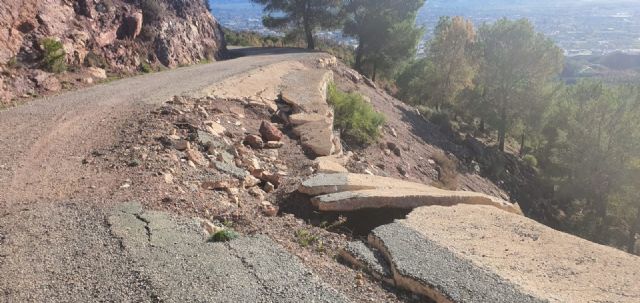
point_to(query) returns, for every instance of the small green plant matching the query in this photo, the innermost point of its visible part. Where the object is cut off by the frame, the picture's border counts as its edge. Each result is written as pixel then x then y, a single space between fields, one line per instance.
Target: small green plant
pixel 530 160
pixel 305 237
pixel 354 116
pixel 145 67
pixel 13 63
pixel 53 55
pixel 224 235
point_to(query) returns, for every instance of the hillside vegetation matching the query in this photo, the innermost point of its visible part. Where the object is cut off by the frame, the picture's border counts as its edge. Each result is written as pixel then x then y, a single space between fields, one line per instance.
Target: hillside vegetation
pixel 582 140
pixel 568 153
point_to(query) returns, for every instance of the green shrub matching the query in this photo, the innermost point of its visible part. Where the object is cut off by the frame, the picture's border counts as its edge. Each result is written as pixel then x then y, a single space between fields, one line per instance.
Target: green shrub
pixel 224 235
pixel 53 55
pixel 305 237
pixel 530 160
pixel 355 117
pixel 152 11
pixel 145 67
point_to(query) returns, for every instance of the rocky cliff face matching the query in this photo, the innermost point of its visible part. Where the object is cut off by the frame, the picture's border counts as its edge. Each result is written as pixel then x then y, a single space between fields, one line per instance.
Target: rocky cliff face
pixel 119 36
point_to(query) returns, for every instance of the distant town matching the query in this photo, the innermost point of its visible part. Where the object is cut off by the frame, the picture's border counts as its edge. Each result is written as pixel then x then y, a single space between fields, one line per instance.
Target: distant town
pixel 580 27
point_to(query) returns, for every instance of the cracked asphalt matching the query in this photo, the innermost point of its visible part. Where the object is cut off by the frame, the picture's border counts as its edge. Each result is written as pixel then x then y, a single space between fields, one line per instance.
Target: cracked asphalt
pixel 425 263
pixel 63 239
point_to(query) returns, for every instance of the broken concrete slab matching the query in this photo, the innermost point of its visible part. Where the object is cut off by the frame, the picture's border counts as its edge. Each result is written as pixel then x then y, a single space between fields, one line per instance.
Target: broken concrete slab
pixel 424 267
pixel 371 260
pixel 303 118
pixel 306 90
pixel 549 264
pixel 316 136
pixel 350 192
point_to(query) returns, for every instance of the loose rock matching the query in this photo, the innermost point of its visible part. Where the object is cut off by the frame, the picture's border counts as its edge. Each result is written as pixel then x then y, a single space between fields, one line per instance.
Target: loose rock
pixel 268 187
pixel 274 144
pixel 269 132
pixel 254 141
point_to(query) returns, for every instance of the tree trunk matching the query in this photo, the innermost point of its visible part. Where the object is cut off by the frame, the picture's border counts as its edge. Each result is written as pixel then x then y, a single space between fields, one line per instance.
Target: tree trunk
pixel 502 130
pixel 374 73
pixel 522 144
pixel 308 31
pixel 603 225
pixel 311 43
pixel 635 229
pixel 359 55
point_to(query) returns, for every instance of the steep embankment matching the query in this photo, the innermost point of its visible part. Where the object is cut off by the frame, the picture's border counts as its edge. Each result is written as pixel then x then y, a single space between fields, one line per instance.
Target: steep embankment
pixel 115 35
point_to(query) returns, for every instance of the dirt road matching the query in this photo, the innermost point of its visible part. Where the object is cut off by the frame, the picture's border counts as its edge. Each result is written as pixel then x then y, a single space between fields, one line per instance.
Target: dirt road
pixel 61 239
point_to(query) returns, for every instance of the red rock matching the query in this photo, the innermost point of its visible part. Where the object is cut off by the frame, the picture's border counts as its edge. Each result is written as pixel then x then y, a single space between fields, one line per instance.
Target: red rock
pixel 269 132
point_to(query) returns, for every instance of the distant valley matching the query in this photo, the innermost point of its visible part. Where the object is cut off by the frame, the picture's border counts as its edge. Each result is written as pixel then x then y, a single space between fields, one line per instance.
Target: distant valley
pixel 580 27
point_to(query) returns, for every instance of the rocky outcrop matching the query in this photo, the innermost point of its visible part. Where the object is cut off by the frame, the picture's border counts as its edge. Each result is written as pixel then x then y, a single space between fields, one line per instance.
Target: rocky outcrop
pixel 115 35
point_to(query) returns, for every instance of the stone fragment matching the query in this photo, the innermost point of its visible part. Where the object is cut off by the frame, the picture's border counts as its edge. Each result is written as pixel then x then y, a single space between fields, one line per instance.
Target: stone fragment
pixel 230 169
pixel 274 144
pixel 328 165
pixel 254 141
pixel 257 192
pixel 394 148
pixel 269 209
pixel 196 157
pixel 269 187
pixel 97 73
pixel 269 132
pixel 168 178
pixel 215 128
pixel 250 181
pixel 271 177
pixel 181 145
pixel 220 184
pixel 209 227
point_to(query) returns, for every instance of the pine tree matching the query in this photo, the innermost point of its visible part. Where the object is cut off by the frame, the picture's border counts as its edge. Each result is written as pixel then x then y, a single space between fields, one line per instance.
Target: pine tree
pixel 386 31
pixel 515 72
pixel 301 16
pixel 451 54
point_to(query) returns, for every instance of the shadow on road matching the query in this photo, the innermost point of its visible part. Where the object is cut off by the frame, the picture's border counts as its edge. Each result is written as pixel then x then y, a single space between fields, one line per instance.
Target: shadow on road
pixel 236 52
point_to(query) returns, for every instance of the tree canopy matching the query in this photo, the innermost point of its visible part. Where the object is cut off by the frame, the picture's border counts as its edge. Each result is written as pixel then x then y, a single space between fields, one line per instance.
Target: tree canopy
pixel 302 16
pixel 386 31
pixel 448 68
pixel 516 68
